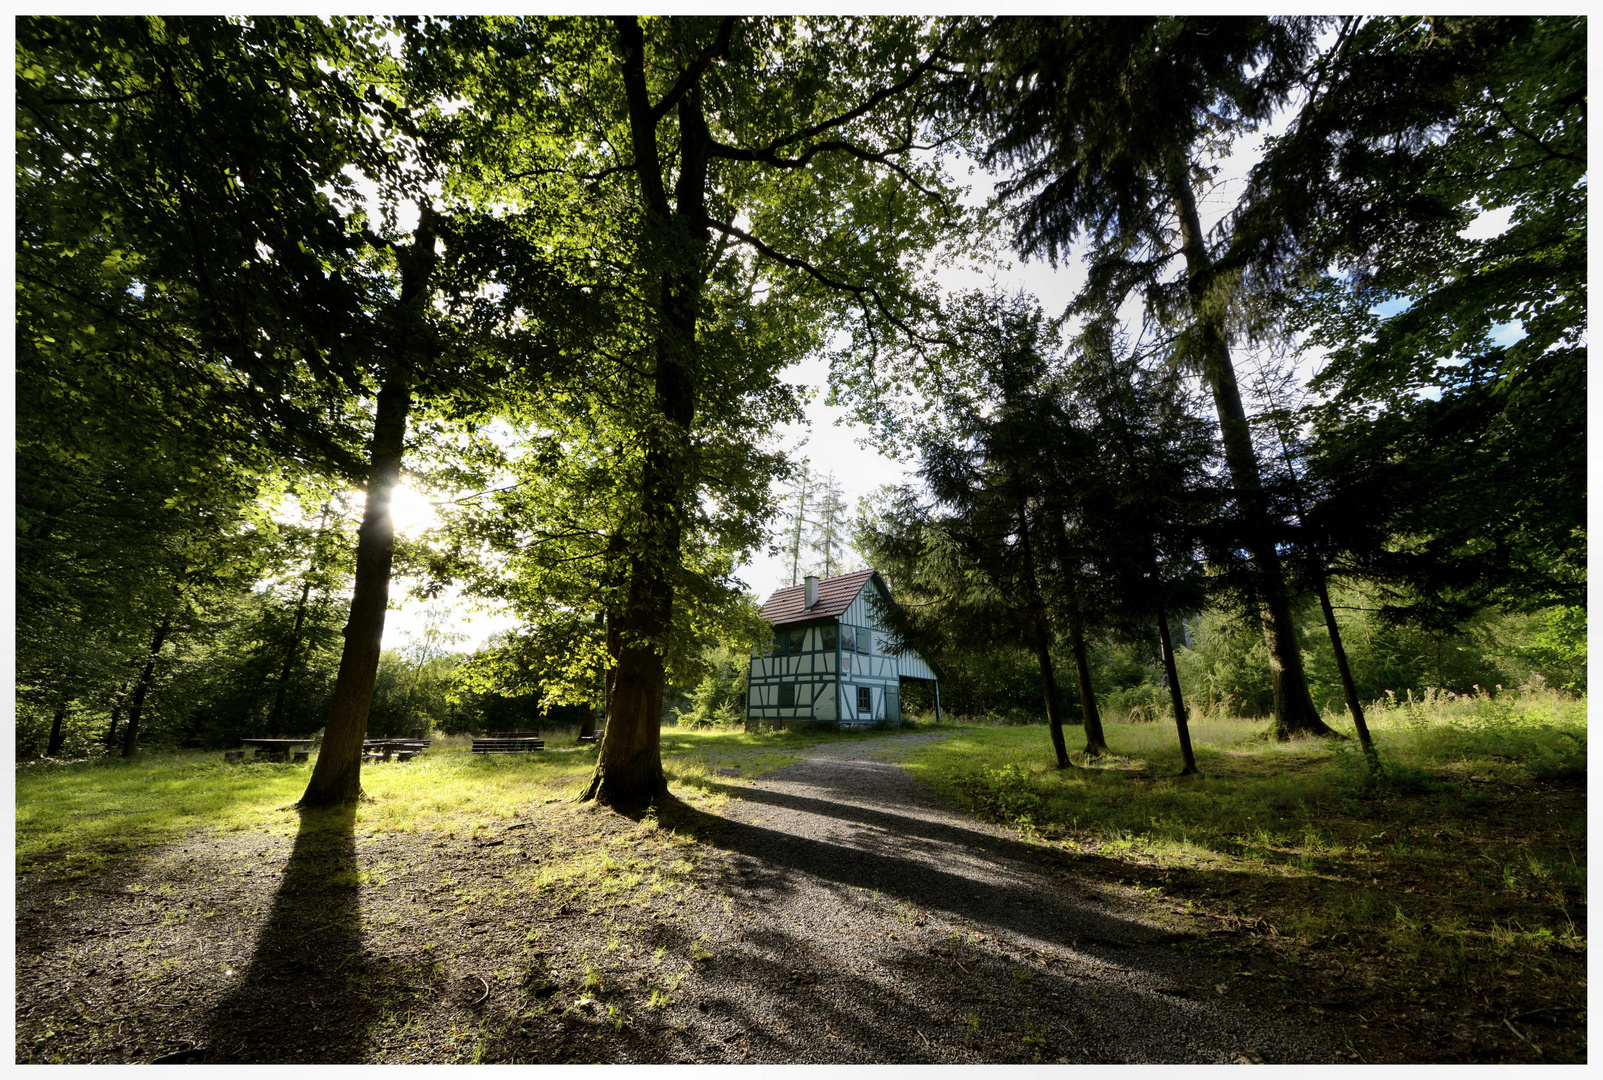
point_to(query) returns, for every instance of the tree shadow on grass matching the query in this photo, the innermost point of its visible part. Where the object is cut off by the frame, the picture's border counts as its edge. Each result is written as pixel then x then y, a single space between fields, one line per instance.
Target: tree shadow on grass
pixel 308 993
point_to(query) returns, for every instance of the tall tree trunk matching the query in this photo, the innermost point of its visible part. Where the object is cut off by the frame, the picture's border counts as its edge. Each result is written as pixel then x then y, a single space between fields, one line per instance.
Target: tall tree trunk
pixel 58 737
pixel 1096 742
pixel 1049 687
pixel 1175 697
pixel 337 776
pixel 629 765
pixel 1294 706
pixel 136 706
pixel 1040 625
pixel 1349 688
pixel 116 716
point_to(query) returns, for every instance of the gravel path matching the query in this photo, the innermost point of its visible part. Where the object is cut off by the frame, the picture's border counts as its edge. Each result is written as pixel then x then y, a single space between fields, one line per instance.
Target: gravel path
pixel 869 922
pixel 831 911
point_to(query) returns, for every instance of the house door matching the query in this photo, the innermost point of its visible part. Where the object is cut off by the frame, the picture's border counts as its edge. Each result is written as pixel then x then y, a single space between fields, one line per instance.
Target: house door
pixel 893 705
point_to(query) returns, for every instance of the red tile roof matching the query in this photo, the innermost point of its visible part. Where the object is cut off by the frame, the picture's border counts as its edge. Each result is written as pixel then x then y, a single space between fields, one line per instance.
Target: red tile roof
pixel 835 595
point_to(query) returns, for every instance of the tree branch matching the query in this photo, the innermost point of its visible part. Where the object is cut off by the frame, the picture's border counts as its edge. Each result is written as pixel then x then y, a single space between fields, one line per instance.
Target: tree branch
pixel 718 50
pixel 869 103
pixel 1579 159
pixel 767 156
pixel 863 293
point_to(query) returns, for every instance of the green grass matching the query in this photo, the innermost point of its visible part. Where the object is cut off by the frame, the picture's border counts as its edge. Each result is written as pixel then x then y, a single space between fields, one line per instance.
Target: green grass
pixel 1253 791
pixel 1462 860
pixel 77 816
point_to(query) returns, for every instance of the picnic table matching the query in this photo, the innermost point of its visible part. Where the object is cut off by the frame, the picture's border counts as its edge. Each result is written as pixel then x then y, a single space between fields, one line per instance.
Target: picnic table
pixel 276 749
pixel 403 749
pixel 508 742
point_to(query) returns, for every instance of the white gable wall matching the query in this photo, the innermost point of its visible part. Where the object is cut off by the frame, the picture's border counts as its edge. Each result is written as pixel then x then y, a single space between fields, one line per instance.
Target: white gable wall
pixel 828 681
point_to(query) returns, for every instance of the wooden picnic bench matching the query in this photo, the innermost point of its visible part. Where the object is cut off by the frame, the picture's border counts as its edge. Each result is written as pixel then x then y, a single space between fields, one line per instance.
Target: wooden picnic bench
pixel 508 742
pixel 402 749
pixel 274 749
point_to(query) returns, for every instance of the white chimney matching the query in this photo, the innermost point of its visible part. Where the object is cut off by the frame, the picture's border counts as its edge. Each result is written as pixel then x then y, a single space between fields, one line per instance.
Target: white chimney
pixel 812 591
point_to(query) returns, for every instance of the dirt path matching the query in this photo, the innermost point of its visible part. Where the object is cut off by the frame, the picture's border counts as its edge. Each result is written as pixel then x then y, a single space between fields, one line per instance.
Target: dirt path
pixel 832 911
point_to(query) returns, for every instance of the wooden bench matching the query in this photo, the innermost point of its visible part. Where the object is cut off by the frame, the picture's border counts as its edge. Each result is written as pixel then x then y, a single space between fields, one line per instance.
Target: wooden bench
pixel 403 749
pixel 508 742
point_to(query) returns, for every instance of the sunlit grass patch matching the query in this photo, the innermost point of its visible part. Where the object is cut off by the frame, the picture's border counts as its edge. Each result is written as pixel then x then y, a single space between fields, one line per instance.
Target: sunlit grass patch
pixel 1453 860
pixel 450 790
pixel 78 816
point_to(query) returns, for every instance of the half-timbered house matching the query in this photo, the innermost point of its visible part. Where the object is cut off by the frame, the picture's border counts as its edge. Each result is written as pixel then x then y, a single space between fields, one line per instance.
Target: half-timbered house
pixel 830 664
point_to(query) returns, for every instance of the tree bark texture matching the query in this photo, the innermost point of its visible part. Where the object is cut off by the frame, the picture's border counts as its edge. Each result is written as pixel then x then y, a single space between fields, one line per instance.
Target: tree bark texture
pixel 130 735
pixel 1294 707
pixel 337 776
pixel 1040 624
pixel 629 764
pixel 1175 697
pixel 1096 742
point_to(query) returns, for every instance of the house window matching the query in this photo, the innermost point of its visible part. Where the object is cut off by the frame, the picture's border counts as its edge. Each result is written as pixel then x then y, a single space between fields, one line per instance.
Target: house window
pixel 781 643
pixel 865 699
pixel 829 638
pixel 847 641
pixel 863 638
pixel 787 695
pixel 796 637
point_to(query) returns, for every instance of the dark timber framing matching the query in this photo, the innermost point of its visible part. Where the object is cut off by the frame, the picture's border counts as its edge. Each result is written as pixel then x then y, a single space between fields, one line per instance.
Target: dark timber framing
pixel 818 665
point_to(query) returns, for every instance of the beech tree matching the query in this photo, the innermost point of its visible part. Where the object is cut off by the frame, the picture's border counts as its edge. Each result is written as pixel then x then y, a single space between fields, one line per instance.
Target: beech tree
pixel 732 160
pixel 223 160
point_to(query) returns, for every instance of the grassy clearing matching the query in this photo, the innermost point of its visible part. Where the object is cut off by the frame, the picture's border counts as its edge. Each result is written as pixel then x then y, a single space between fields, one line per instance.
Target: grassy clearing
pixel 1461 866
pixel 77 816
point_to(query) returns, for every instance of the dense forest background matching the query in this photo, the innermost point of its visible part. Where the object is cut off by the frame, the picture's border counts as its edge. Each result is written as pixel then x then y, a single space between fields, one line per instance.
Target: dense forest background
pixel 552 272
